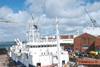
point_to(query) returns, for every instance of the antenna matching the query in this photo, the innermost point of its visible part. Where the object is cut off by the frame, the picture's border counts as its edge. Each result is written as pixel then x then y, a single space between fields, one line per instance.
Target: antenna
pixel 33 21
pixel 44 5
pixel 93 21
pixel 32 17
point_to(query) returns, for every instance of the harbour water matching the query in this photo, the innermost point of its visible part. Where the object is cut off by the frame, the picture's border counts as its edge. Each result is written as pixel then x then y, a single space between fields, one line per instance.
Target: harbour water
pixel 6 44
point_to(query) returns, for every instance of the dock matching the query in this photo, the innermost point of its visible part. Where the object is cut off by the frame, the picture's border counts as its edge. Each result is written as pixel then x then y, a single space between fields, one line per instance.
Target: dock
pixel 5 60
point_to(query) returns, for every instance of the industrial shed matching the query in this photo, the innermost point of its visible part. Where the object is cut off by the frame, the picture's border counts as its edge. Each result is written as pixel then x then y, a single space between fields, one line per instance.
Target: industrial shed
pixel 83 42
pixel 97 42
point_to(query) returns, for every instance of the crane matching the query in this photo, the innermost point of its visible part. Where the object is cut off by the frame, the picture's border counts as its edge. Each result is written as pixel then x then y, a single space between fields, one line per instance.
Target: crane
pixel 93 21
pixel 5 20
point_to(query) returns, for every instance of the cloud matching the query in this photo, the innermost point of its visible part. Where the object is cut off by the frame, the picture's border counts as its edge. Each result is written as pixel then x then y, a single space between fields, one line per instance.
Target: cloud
pixel 70 14
pixel 16 27
pixel 5 11
pixel 53 8
pixel 69 11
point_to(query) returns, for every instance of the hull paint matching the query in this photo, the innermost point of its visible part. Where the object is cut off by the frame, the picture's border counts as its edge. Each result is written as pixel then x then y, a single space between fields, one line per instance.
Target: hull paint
pixel 31 65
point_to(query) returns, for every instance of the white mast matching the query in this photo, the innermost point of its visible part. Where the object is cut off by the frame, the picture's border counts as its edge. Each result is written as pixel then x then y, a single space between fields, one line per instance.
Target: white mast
pixel 33 33
pixel 58 43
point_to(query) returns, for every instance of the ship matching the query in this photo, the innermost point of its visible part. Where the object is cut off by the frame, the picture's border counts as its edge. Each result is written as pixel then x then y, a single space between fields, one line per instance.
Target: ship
pixel 39 51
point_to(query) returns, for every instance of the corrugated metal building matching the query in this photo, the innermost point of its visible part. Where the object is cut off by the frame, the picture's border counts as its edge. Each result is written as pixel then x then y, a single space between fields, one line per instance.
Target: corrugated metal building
pixel 82 42
pixel 97 42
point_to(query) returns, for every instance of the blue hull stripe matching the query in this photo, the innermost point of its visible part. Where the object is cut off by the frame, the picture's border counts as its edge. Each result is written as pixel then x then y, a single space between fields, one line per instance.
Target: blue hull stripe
pixel 20 63
pixel 31 65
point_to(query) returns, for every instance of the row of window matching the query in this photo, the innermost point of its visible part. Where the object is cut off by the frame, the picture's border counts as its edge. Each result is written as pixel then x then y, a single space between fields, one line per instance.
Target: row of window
pixel 37 46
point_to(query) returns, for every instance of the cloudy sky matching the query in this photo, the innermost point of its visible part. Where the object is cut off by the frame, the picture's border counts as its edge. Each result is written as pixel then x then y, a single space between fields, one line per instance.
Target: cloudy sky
pixel 70 13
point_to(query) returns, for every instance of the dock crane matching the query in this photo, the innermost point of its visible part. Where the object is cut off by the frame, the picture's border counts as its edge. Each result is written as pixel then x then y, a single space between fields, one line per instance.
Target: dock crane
pixel 6 20
pixel 92 49
pixel 93 21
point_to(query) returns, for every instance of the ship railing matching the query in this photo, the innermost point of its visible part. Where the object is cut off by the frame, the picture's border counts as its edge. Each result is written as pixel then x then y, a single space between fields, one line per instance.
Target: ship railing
pixel 47 39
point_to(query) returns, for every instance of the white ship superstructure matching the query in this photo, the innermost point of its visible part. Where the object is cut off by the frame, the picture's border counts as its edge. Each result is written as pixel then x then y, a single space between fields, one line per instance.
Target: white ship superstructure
pixel 39 51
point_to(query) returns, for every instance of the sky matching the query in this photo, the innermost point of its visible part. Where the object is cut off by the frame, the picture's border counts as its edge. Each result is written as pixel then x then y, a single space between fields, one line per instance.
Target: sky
pixel 70 14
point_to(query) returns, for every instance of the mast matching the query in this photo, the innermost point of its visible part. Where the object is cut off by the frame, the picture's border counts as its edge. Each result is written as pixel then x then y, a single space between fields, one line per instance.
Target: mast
pixel 33 34
pixel 30 33
pixel 58 43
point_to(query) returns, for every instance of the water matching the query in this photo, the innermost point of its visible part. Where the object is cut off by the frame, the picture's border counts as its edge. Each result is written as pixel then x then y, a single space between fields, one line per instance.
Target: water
pixel 6 44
